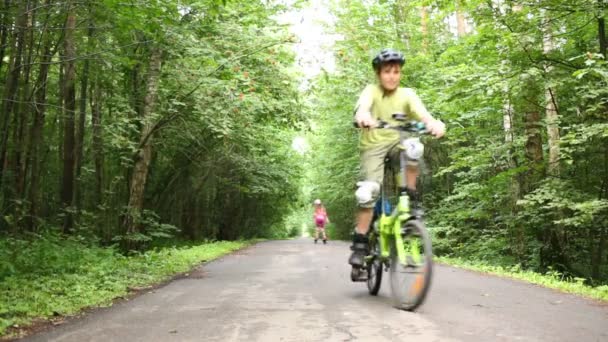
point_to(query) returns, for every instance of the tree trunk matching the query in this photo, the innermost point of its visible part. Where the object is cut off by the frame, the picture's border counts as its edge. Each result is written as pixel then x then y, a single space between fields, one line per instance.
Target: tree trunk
pixel 4 30
pixel 142 160
pixel 552 118
pixel 534 143
pixel 556 236
pixel 11 94
pixel 529 105
pixel 424 27
pixel 36 136
pixel 400 15
pixel 507 120
pixel 534 148
pixel 21 110
pixel 97 141
pixel 82 120
pixel 517 231
pixel 601 29
pixel 461 24
pixel 58 123
pixel 551 113
pixel 67 187
pixel 598 254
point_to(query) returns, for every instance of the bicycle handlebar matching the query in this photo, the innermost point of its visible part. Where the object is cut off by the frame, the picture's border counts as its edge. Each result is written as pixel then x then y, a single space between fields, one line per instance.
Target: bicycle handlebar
pixel 412 126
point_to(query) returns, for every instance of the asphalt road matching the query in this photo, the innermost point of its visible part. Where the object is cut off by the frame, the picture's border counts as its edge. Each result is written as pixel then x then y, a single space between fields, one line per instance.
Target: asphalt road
pixel 297 291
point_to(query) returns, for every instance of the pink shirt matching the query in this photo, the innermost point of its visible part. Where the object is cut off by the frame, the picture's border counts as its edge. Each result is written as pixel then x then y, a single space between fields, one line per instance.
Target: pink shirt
pixel 320 216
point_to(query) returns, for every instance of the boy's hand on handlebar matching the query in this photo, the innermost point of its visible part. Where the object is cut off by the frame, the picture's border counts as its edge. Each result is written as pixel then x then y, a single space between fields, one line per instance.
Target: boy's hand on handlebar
pixel 435 127
pixel 365 120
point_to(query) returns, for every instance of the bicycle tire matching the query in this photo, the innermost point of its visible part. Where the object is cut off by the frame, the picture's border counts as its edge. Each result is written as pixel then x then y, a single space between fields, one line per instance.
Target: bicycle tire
pixel 409 284
pixel 374 270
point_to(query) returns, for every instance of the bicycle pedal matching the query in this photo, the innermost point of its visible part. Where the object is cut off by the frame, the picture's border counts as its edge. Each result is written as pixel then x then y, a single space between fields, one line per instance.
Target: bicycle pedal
pixel 358 274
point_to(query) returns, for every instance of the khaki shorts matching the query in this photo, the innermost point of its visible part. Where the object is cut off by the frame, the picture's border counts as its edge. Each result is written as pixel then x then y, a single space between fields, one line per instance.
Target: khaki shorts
pixel 372 165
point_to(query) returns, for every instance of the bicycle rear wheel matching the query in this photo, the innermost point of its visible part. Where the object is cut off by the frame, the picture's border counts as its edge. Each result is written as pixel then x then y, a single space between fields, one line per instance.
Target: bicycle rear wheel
pixel 410 282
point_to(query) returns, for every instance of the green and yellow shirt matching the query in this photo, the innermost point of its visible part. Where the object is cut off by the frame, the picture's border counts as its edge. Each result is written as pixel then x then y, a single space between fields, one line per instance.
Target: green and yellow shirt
pixel 383 106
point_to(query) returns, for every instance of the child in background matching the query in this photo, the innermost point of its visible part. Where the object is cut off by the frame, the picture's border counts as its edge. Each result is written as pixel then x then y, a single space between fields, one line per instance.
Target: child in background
pixel 321 219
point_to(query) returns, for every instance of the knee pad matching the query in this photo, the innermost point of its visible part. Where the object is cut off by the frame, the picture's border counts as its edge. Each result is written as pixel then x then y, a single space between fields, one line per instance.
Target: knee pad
pixel 414 150
pixel 367 191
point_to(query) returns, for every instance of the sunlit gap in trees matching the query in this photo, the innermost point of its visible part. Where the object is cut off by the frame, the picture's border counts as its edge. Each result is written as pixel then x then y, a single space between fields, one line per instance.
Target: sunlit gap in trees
pixel 300 145
pixel 315 44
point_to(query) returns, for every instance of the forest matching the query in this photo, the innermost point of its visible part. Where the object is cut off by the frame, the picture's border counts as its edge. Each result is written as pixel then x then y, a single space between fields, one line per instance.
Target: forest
pixel 123 123
pixel 130 127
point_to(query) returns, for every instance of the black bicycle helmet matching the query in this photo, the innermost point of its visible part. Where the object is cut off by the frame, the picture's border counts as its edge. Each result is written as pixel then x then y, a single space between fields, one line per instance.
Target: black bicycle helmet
pixel 387 56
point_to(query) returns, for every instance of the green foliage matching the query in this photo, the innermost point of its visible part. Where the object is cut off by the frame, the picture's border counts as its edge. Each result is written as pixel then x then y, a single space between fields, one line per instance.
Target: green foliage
pixel 226 110
pixel 488 189
pixel 552 279
pixel 297 221
pixel 50 275
pixel 226 159
pixel 151 230
pixel 549 202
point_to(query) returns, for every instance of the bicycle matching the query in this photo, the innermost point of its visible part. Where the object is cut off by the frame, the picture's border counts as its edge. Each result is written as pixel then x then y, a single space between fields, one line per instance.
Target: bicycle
pixel 398 241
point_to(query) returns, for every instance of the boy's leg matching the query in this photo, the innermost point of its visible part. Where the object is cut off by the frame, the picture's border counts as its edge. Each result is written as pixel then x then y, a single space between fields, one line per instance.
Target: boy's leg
pixel 372 168
pixel 364 220
pixel 412 173
pixel 411 176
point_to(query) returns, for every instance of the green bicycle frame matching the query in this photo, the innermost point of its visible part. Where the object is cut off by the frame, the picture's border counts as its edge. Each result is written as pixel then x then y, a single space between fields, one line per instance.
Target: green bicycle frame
pixel 389 225
pixel 389 230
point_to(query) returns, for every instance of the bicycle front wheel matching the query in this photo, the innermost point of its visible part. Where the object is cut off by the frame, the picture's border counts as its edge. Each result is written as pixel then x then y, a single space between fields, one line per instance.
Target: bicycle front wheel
pixel 411 280
pixel 374 269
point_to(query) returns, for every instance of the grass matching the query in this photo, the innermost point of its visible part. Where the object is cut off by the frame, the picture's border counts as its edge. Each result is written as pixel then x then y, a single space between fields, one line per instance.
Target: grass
pixel 553 280
pixel 50 277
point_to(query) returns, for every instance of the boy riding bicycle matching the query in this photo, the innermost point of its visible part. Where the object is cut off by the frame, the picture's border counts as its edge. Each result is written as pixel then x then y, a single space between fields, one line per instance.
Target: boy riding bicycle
pixel 379 102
